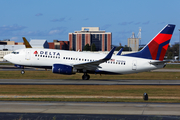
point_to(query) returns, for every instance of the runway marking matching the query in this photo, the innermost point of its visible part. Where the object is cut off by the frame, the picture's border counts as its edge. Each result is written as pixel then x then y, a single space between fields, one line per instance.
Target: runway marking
pixel 75 96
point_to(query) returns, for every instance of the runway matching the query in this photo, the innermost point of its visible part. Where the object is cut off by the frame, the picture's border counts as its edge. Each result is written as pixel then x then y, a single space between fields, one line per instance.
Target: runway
pixel 92 109
pixel 86 82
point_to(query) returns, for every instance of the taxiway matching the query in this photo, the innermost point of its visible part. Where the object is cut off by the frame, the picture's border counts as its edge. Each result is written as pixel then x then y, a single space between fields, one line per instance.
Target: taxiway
pixel 86 82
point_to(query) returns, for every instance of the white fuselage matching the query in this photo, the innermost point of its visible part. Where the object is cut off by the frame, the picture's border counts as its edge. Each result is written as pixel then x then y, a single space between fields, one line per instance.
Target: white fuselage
pixel 47 57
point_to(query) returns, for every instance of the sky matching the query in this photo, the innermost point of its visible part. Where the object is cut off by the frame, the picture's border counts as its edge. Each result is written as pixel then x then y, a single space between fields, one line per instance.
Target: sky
pixel 54 19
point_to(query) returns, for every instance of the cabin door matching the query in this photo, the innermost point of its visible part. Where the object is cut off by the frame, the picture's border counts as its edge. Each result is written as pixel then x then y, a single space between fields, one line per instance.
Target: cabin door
pixel 134 65
pixel 28 55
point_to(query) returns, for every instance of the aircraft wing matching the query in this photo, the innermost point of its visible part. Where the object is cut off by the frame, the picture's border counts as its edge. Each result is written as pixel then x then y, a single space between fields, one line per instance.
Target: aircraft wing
pixel 94 64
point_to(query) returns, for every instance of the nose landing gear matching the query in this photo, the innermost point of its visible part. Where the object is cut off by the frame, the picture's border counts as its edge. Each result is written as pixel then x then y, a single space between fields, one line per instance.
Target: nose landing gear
pixel 22 72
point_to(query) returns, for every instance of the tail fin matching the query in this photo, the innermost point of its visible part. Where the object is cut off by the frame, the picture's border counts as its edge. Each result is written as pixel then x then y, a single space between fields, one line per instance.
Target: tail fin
pixel 157 47
pixel 26 43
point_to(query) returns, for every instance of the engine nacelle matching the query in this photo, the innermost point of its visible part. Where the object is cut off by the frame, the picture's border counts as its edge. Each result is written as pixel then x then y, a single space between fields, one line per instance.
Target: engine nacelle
pixel 62 69
pixel 19 66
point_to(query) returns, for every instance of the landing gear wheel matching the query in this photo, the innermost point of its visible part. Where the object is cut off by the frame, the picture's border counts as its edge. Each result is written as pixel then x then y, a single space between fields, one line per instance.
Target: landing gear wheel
pixel 22 72
pixel 85 77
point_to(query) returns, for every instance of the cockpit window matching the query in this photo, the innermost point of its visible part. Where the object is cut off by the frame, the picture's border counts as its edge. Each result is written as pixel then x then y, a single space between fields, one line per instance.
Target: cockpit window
pixel 15 52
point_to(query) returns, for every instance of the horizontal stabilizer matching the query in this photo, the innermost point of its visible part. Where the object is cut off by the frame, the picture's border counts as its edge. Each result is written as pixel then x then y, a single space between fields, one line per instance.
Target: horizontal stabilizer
pixel 159 62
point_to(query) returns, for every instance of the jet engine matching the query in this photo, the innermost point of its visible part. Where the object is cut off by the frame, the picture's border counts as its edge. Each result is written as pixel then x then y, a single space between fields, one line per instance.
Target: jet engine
pixel 62 69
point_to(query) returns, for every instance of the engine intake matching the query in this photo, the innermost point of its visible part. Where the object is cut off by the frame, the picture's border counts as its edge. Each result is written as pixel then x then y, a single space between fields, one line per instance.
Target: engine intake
pixel 62 69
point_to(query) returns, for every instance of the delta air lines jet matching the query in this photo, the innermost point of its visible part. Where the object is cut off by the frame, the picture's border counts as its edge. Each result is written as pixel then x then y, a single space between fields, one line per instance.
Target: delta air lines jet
pixel 70 62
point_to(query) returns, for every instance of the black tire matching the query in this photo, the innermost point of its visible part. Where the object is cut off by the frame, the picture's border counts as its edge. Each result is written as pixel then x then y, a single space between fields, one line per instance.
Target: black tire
pixel 88 77
pixel 85 77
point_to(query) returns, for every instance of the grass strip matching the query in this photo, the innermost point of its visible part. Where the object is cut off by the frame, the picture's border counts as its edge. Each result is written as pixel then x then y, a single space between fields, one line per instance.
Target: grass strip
pixel 164 93
pixel 172 66
pixel 102 90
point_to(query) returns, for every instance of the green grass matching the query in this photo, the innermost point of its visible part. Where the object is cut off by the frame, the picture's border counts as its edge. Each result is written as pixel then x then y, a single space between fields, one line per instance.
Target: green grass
pixel 172 66
pixel 154 92
pixel 99 90
pixel 6 63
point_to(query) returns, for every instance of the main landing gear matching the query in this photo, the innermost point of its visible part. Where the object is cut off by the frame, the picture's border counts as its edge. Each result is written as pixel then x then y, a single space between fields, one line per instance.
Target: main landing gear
pixel 85 76
pixel 22 71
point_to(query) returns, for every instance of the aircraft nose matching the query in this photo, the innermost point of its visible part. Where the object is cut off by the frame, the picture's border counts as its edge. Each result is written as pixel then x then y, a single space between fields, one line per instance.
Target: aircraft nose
pixel 7 57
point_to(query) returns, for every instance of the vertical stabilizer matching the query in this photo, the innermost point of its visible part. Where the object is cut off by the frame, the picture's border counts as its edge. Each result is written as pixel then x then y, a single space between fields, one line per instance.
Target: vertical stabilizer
pixel 157 47
pixel 26 43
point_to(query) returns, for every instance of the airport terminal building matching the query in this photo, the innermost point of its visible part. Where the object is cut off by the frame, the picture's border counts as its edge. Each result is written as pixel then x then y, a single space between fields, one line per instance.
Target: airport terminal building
pixel 90 35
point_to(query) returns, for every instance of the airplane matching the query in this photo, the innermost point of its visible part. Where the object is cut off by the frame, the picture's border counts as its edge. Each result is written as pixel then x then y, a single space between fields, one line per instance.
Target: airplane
pixel 71 62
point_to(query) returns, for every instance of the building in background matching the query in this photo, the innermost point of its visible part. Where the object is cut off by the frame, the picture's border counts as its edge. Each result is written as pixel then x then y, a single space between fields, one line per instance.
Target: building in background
pixel 62 45
pixel 90 35
pixel 39 43
pixel 133 42
pixel 7 46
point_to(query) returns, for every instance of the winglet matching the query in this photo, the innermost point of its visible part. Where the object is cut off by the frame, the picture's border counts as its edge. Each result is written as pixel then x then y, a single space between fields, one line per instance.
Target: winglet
pixel 26 43
pixel 109 55
pixel 120 51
